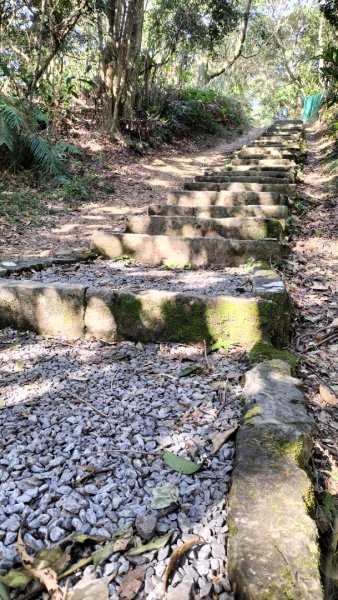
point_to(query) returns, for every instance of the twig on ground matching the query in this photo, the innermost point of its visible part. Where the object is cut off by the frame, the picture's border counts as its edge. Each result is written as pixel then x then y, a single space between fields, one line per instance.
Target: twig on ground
pixel 79 399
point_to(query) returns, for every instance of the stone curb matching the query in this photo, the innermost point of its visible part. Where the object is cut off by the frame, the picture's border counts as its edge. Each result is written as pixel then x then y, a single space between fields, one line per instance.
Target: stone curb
pixel 273 551
pixel 69 311
pixel 38 263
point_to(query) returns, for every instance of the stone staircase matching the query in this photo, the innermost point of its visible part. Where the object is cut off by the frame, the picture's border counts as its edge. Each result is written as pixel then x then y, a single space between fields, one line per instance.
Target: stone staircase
pixel 222 218
pixel 233 216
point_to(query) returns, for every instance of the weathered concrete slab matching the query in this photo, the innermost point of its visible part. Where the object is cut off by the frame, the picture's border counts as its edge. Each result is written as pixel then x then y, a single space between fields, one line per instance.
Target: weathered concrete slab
pixel 225 198
pixel 221 212
pixel 41 262
pixel 238 228
pixel 99 318
pixel 288 189
pixel 54 309
pixel 273 551
pixel 166 316
pixel 199 251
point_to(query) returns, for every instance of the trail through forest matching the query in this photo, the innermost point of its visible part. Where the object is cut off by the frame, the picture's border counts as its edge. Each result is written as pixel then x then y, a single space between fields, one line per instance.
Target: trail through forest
pixel 125 184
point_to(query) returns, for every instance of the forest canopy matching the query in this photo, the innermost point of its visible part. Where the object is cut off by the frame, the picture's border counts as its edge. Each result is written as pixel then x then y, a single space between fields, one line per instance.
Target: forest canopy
pixel 147 69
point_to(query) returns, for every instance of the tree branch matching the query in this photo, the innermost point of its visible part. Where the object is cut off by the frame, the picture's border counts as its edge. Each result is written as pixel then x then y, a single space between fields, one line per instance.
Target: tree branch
pixel 240 45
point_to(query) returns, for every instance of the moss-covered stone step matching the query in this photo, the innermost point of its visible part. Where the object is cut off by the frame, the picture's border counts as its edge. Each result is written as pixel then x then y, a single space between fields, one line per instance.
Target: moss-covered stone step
pixel 238 228
pixel 199 251
pixel 71 311
pixel 273 551
pixel 221 212
pixel 242 178
pixel 225 198
pixel 289 139
pixel 289 189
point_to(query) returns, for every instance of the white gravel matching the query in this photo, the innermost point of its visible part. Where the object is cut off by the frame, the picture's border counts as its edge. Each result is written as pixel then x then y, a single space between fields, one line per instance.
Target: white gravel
pixel 49 439
pixel 126 275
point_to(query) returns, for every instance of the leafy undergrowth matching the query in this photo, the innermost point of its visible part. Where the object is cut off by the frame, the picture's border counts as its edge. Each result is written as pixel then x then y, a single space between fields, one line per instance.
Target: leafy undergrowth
pixel 312 275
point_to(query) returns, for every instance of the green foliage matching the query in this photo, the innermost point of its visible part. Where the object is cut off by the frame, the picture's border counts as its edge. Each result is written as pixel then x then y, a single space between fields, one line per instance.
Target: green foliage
pixel 330 74
pixel 192 110
pixel 22 144
pixel 190 24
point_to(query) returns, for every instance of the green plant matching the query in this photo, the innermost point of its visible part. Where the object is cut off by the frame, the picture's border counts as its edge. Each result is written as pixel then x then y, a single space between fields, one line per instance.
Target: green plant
pixel 22 144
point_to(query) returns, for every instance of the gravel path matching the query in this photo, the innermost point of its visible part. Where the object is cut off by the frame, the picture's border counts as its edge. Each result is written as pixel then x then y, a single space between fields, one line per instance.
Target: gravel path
pixel 127 276
pixel 50 442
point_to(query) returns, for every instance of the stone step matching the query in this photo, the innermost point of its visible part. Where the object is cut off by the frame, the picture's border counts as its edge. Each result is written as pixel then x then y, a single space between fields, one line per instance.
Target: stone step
pixel 199 251
pixel 220 212
pixel 284 137
pixel 263 155
pixel 285 127
pixel 263 161
pixel 287 122
pixel 277 144
pixel 225 198
pixel 243 178
pixel 266 151
pixel 236 228
pixel 69 311
pixel 260 169
pixel 288 189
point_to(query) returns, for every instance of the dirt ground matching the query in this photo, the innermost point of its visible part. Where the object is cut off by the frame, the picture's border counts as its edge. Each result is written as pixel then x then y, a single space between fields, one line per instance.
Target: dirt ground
pixel 121 184
pixel 312 279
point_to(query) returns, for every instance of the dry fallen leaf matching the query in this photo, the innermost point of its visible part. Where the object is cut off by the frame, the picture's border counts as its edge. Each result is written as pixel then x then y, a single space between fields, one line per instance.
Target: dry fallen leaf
pixel 177 554
pixel 221 437
pixel 43 575
pixel 131 583
pixel 328 395
pixel 90 589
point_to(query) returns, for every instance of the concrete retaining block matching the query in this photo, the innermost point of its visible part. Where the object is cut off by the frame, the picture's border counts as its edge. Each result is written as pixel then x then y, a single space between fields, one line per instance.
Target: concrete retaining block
pixel 56 309
pixel 199 251
pixel 225 198
pixel 238 228
pixel 221 212
pixel 99 318
pixel 273 551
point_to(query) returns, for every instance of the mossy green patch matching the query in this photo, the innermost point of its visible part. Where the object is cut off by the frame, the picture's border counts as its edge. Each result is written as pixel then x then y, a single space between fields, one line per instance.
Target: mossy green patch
pixel 280 445
pixel 263 351
pixel 252 412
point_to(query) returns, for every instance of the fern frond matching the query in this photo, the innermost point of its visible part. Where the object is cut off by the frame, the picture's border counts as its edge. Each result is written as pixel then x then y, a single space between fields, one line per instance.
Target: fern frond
pixel 8 138
pixel 43 155
pixel 14 118
pixel 69 149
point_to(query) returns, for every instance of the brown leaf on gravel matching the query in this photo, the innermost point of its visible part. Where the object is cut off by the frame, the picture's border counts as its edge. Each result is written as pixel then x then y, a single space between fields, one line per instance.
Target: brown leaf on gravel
pixel 221 437
pixel 131 583
pixel 176 555
pixel 46 576
pixel 90 589
pixel 327 395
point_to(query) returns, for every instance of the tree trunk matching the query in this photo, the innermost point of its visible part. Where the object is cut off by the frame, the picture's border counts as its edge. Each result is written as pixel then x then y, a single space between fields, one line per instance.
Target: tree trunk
pixel 122 61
